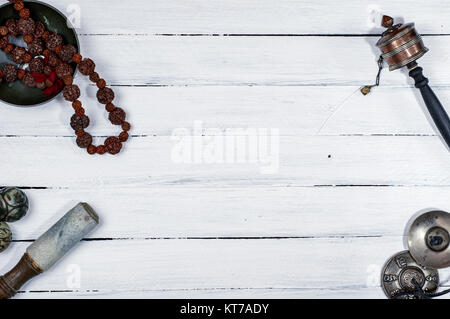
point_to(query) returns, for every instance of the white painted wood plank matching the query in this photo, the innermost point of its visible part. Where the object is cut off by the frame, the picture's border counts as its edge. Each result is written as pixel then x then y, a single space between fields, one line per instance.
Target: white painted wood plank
pixel 233 293
pixel 254 17
pixel 303 161
pixel 294 110
pixel 182 212
pixel 159 60
pixel 269 61
pixel 185 268
pixel 112 267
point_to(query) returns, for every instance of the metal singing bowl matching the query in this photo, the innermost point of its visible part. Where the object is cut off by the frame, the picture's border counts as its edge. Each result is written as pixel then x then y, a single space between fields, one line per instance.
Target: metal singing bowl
pixel 16 93
pixel 429 239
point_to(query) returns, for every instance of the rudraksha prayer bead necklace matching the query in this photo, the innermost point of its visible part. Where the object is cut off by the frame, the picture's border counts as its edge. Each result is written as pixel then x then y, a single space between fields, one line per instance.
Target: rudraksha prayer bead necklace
pixel 53 73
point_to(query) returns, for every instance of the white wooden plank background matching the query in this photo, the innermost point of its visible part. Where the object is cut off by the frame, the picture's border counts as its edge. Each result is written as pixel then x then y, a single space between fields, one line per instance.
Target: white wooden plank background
pixel 353 169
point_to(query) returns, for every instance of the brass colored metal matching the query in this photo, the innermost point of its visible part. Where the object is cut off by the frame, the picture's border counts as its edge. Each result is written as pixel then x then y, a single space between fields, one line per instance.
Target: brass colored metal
pixel 399 273
pixel 429 239
pixel 400 44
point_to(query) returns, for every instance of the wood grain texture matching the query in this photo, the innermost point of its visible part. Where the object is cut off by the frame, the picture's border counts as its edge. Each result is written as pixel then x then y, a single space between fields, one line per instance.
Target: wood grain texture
pixel 158 111
pixel 253 60
pixel 185 265
pixel 235 212
pixel 252 16
pixel 186 268
pixel 303 161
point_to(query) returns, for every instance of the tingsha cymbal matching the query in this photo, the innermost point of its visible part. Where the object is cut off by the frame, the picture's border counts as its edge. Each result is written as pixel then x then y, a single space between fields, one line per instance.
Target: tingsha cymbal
pixel 429 239
pixel 400 274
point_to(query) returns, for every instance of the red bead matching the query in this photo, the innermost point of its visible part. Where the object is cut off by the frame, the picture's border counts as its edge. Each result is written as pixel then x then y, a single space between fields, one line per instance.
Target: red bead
pixel 24 13
pixel 101 149
pixel 9 48
pixel 79 112
pixel 110 107
pixel 18 5
pixel 45 35
pixel 27 58
pixel 28 38
pixel 79 133
pixel 123 136
pixel 76 104
pixel 21 73
pixel 91 149
pixel 126 126
pixel 3 31
pixel 77 58
pixel 101 84
pixel 68 80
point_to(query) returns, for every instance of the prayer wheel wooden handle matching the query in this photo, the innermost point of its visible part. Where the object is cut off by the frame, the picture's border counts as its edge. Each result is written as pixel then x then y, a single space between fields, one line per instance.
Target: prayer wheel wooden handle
pixel 437 111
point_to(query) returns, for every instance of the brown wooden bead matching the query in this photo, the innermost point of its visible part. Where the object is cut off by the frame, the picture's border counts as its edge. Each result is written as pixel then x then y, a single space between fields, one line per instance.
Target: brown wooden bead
pixel 79 133
pixel 9 72
pixel 117 116
pixel 45 35
pixel 3 31
pixel 21 73
pixel 24 13
pixel 110 107
pixel 77 58
pixel 18 5
pixel 27 58
pixel 86 67
pixel 4 41
pixel 113 145
pixel 46 52
pixel 105 95
pixel 68 80
pixel 123 137
pixel 101 149
pixel 85 140
pixel 91 149
pixel 80 111
pixel 76 104
pixel 79 122
pixel 28 38
pixel 101 84
pixel 94 77
pixel 9 48
pixel 58 49
pixel 71 92
pixel 126 126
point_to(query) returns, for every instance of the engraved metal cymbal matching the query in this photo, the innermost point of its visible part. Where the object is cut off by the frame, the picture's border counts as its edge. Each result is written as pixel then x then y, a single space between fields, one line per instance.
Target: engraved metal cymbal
pixel 398 273
pixel 429 239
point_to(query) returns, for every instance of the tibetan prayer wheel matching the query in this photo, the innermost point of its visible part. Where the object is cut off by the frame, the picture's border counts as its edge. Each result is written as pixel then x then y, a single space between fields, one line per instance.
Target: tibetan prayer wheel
pixel 400 44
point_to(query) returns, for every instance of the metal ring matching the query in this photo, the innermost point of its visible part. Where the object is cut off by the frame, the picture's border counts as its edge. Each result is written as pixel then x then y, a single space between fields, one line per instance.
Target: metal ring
pixel 402 47
pixel 408 60
pixel 398 35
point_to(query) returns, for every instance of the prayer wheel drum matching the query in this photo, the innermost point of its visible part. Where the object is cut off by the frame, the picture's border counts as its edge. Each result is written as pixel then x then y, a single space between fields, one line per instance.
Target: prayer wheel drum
pixel 400 44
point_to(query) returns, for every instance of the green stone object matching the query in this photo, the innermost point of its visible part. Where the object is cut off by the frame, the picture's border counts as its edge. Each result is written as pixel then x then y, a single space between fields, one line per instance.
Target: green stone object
pixel 5 236
pixel 16 93
pixel 13 204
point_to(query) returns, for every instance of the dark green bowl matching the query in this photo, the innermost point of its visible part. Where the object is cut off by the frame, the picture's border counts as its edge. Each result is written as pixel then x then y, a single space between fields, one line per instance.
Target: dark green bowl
pixel 16 93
